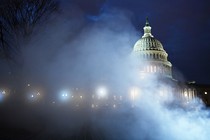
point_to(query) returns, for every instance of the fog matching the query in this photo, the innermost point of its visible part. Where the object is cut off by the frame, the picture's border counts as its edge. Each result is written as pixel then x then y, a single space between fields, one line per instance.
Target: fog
pixel 75 52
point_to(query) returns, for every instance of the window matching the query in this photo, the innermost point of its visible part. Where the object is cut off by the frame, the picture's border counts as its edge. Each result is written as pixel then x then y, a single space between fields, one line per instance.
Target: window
pixel 151 68
pixel 185 94
pixel 155 69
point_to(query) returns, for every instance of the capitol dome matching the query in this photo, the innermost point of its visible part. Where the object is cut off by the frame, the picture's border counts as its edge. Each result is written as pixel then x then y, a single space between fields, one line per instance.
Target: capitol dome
pixel 150 51
pixel 148 43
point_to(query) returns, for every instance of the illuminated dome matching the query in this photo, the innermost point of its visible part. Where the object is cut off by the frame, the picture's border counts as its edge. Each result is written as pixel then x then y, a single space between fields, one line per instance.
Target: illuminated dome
pixel 148 43
pixel 152 54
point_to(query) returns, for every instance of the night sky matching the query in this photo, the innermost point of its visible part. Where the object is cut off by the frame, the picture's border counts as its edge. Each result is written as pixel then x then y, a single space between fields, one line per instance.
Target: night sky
pixel 183 27
pixel 54 86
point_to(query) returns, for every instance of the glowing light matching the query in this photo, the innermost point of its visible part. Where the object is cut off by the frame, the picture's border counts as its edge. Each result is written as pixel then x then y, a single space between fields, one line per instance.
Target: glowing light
pixel 64 95
pixel 155 69
pixel 151 69
pixel 120 97
pixel 115 97
pixel 134 93
pixel 142 75
pixel 101 92
pixel 34 95
pixel 2 95
pixel 163 91
pixel 185 94
pixel 81 97
pixel 205 92
pixel 28 85
pixel 3 92
pixel 114 106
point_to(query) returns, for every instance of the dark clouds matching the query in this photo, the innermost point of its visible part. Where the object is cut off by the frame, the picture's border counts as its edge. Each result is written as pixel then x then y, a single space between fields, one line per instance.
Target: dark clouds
pixel 182 26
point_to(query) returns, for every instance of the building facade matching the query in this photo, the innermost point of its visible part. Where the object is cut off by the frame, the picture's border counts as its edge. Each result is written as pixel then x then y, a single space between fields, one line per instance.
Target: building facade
pixel 152 55
pixel 153 59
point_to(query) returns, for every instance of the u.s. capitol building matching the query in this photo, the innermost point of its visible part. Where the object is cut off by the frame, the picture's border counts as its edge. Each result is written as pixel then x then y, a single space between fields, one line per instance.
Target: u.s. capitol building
pixel 153 60
pixel 153 72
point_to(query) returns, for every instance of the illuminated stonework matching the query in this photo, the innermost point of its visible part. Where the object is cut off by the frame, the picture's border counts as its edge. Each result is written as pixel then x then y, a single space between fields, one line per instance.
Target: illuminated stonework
pixel 153 59
pixel 151 53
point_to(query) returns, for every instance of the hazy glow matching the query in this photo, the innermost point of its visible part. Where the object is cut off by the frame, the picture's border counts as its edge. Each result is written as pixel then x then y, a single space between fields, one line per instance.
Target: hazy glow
pixel 134 93
pixel 114 106
pixel 185 94
pixel 94 53
pixel 3 92
pixel 115 98
pixel 64 95
pixel 34 95
pixel 142 75
pixel 101 92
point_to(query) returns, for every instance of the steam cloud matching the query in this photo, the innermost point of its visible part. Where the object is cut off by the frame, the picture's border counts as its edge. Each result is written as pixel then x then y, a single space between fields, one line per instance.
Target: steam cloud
pixel 77 53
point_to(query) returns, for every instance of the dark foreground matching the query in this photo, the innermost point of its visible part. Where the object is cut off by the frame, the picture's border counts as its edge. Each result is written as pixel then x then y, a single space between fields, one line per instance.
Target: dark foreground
pixel 57 122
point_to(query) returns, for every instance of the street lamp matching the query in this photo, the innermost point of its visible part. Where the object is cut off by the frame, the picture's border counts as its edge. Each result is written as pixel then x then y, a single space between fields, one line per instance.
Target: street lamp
pixel 64 94
pixel 101 92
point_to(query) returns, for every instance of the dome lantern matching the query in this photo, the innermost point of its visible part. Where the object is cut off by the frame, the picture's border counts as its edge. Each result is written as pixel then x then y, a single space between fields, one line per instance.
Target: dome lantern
pixel 147 29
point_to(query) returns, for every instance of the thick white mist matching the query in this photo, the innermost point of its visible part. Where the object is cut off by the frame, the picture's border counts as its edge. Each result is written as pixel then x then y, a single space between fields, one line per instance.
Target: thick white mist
pixel 84 54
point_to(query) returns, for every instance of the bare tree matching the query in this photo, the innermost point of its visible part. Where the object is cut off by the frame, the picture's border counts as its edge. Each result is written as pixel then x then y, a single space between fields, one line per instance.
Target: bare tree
pixel 18 19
